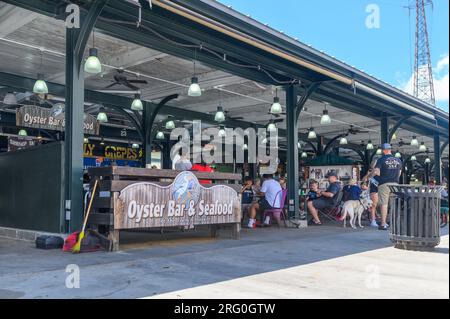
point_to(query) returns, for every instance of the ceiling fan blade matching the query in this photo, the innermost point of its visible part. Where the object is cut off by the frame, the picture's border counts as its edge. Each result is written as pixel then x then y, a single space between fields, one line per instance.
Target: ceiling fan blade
pixel 138 81
pixel 111 85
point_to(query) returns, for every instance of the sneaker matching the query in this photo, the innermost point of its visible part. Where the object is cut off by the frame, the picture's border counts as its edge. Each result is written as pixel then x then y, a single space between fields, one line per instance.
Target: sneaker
pixel 267 221
pixel 374 224
pixel 383 227
pixel 251 224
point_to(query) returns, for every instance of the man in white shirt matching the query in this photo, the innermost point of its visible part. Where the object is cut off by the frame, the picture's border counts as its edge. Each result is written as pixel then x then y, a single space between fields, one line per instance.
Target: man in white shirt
pixel 271 198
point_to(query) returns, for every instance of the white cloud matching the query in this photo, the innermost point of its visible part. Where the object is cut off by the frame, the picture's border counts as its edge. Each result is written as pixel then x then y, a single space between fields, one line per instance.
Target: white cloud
pixel 441 80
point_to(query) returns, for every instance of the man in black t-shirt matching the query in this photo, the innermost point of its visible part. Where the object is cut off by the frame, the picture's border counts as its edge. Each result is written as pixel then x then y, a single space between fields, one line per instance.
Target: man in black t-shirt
pixel 388 169
pixel 326 199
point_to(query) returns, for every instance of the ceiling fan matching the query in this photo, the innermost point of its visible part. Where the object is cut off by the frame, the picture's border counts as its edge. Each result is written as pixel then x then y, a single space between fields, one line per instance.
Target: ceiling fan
pixel 121 79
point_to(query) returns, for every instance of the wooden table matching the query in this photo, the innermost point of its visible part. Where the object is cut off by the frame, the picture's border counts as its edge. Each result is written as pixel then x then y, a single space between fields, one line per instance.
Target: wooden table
pixel 140 198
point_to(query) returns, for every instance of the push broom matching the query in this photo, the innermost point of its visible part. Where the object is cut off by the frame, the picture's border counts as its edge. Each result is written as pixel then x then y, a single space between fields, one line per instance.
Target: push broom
pixel 76 248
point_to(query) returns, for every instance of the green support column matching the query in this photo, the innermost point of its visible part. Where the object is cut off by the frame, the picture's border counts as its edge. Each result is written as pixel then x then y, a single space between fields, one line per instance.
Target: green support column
pixel 74 133
pixel 292 151
pixel 76 39
pixel 384 129
pixel 437 159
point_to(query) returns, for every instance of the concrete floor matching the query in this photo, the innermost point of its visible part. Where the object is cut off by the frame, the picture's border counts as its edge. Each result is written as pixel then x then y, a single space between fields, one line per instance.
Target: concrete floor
pixel 318 262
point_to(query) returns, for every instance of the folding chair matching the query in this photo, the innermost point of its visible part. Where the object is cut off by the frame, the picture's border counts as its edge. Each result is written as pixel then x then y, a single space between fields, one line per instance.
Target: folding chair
pixel 278 211
pixel 331 213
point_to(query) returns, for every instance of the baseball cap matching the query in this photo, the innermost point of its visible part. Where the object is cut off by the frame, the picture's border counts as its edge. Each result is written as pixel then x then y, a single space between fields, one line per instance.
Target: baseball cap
pixel 331 173
pixel 386 146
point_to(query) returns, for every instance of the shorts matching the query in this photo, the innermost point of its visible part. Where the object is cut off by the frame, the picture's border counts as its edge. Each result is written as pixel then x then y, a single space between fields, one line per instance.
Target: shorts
pixel 322 203
pixel 373 189
pixel 384 193
pixel 264 204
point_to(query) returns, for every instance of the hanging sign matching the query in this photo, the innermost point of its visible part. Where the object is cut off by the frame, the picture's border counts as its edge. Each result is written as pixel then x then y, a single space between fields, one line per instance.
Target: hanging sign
pixel 183 203
pixel 19 143
pixel 51 119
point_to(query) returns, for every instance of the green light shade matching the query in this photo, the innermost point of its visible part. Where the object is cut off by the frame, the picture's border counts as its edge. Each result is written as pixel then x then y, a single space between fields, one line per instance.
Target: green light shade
pixel 325 118
pixel 379 151
pixel 137 104
pixel 222 132
pixel 194 88
pixel 40 87
pixel 23 133
pixel 394 136
pixel 264 141
pixel 304 155
pixel 135 145
pixel 413 158
pixel 220 115
pixel 312 134
pixel 276 106
pixel 102 117
pixel 160 136
pixel 170 125
pixel 414 141
pixel 370 146
pixel 398 155
pixel 423 147
pixel 272 127
pixel 428 160
pixel 299 145
pixel 245 147
pixel 92 64
pixel 343 141
pixel 85 140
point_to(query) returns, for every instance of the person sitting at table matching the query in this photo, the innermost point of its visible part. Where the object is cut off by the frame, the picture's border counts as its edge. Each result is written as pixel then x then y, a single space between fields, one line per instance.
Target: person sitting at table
pixel 271 195
pixel 247 193
pixel 326 199
pixel 312 193
pixel 183 164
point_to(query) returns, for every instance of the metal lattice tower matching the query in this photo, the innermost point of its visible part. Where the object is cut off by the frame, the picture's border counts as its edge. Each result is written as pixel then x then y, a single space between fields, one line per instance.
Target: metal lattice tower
pixel 423 72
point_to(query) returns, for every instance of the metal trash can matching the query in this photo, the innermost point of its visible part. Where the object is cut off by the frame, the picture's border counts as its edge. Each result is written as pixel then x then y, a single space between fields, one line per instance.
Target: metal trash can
pixel 414 217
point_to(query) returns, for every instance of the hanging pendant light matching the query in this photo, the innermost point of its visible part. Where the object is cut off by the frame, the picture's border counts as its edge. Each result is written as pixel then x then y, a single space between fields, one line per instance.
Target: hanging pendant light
pixel 23 132
pixel 427 160
pixel 272 127
pixel 304 155
pixel 276 108
pixel 423 147
pixel 170 125
pixel 160 136
pixel 245 147
pixel 220 115
pixel 102 142
pixel 85 140
pixel 414 141
pixel 10 99
pixel 92 64
pixel 325 119
pixel 39 137
pixel 40 87
pixel 394 136
pixel 299 145
pixel 264 141
pixel 413 158
pixel 222 132
pixel 137 103
pixel 379 151
pixel 369 146
pixel 135 146
pixel 102 117
pixel 398 155
pixel 343 141
pixel 312 134
pixel 194 88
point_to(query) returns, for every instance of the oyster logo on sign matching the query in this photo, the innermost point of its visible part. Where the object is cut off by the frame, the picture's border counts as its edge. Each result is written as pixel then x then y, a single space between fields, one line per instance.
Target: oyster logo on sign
pixel 184 202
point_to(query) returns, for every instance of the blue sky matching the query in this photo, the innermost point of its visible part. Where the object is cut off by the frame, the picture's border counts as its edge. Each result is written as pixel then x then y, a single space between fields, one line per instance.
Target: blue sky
pixel 338 27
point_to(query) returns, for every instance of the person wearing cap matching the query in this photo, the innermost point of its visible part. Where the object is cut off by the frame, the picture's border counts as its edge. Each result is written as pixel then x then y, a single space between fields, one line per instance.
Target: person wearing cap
pixel 388 169
pixel 326 199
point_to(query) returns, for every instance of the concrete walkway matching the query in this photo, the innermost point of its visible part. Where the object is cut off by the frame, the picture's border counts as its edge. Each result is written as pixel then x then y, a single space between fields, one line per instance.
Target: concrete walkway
pixel 322 262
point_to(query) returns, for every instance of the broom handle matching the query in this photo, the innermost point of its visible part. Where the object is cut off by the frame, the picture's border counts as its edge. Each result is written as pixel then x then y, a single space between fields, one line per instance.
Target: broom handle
pixel 90 205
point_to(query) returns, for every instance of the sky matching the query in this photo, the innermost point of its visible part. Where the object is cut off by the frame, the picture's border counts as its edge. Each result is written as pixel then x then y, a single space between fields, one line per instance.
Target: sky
pixel 339 27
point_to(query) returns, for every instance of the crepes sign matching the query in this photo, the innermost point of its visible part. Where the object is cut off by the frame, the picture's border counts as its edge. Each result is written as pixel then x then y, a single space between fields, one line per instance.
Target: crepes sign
pixel 183 203
pixel 51 119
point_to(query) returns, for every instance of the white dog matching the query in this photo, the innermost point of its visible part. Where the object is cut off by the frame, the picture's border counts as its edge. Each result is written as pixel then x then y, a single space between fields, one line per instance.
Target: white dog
pixel 354 209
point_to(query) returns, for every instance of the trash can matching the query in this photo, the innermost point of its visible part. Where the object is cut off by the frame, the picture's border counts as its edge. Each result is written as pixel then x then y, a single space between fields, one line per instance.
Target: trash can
pixel 414 217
